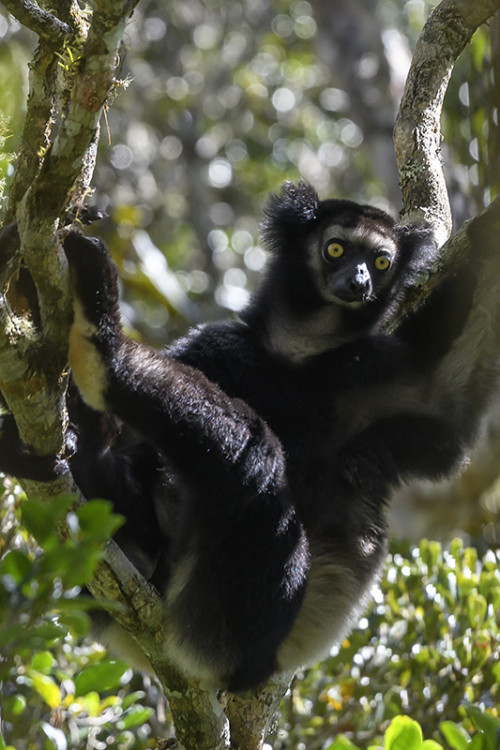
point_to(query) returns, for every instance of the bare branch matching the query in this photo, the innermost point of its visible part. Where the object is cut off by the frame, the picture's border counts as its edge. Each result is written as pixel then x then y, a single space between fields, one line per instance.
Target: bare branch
pixel 93 82
pixel 37 126
pixel 48 27
pixel 417 135
pixel 48 170
pixel 251 713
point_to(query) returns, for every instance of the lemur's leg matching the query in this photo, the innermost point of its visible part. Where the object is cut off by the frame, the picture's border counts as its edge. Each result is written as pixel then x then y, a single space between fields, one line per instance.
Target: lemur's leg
pixel 204 432
pixel 239 542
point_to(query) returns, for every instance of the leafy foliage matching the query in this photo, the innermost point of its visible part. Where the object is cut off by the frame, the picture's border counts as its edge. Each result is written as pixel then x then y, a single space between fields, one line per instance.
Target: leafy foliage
pixel 56 694
pixel 404 733
pixel 428 647
pixel 427 651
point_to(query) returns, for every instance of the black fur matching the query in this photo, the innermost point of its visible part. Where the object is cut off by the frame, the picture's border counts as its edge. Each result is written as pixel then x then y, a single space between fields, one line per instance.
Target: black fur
pixel 252 459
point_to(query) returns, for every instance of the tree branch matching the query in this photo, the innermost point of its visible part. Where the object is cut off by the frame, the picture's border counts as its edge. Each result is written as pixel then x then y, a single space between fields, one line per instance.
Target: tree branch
pixel 37 127
pixel 417 135
pixel 49 170
pixel 49 174
pixel 417 141
pixel 48 27
pixel 251 713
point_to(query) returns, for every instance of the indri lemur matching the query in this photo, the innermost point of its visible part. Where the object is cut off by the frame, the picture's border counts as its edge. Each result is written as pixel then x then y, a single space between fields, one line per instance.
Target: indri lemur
pixel 277 439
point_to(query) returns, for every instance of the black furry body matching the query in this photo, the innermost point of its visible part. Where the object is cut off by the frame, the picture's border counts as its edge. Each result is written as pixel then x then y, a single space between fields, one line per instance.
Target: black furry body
pixel 253 459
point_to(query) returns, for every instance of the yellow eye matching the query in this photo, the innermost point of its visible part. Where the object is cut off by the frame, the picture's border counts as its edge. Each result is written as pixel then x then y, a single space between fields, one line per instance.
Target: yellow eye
pixel 334 250
pixel 382 262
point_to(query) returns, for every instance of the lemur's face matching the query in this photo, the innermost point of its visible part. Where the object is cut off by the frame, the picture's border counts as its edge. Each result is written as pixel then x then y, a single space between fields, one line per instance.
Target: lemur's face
pixel 353 264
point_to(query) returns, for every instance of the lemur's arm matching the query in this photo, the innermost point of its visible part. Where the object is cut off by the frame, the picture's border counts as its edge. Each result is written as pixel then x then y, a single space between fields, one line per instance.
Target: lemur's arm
pixel 455 340
pixel 398 448
pixel 203 431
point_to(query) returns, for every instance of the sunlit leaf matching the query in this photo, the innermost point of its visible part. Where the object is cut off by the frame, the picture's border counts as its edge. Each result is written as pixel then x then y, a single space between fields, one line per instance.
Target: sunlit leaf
pixel 42 661
pixel 136 717
pixel 45 687
pixel 403 733
pixel 455 735
pixel 342 743
pixel 99 677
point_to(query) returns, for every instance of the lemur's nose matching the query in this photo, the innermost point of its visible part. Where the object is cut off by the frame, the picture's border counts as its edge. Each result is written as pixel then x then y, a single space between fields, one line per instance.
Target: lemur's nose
pixel 361 279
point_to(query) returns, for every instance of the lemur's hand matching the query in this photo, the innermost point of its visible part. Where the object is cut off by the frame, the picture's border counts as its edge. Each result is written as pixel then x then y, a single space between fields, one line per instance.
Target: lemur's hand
pixel 94 280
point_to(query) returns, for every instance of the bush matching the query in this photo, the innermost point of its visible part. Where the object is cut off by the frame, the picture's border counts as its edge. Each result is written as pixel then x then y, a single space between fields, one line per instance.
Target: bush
pixel 56 694
pixel 428 648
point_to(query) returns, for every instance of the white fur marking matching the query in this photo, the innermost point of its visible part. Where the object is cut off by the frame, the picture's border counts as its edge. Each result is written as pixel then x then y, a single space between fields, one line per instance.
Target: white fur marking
pixel 86 363
pixel 334 600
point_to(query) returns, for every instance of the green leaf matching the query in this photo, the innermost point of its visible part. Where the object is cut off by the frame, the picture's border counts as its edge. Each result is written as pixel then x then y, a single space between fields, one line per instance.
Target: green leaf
pixel 136 717
pixel 455 735
pixel 38 637
pixel 11 635
pixel 41 518
pixel 43 661
pixel 103 676
pixel 430 553
pixel 132 698
pixel 478 742
pixel 92 703
pixel 403 733
pixel 97 520
pixel 77 621
pixel 13 707
pixel 477 607
pixel 74 565
pixel 45 687
pixel 17 565
pixel 342 743
pixel 488 724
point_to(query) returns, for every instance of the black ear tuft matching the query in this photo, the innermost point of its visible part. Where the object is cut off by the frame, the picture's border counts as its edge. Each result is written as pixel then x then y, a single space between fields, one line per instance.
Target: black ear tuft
pixel 289 213
pixel 298 199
